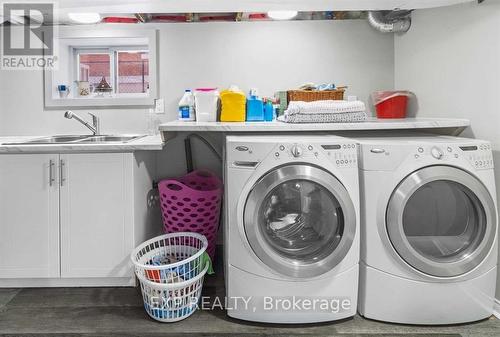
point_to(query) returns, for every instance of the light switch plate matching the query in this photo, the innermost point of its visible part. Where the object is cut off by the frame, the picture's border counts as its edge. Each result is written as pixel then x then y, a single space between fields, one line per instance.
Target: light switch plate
pixel 159 106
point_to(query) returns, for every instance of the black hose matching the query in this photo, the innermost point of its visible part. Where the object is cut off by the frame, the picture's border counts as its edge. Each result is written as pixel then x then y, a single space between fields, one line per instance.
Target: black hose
pixel 207 143
pixel 188 154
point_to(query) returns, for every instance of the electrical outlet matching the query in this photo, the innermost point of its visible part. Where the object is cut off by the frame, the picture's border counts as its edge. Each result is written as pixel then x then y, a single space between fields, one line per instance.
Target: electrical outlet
pixel 159 106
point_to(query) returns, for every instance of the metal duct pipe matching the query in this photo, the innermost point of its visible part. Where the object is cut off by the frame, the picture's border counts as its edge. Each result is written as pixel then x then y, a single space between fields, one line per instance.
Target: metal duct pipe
pixel 377 20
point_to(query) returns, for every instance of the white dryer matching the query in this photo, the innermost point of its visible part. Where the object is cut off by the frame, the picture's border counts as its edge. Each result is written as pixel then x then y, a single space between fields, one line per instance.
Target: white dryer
pixel 428 229
pixel 291 228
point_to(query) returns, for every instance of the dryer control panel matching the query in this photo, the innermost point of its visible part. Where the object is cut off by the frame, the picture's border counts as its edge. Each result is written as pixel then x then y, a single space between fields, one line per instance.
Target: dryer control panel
pixel 478 155
pixel 389 153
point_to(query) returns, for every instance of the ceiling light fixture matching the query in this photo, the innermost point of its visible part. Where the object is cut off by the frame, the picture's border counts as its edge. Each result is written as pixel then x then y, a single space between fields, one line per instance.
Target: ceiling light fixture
pixel 87 18
pixel 282 15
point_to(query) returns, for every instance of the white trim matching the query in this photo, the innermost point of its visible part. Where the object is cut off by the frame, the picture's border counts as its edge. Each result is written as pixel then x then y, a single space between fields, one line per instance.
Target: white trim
pixel 67 282
pixel 496 308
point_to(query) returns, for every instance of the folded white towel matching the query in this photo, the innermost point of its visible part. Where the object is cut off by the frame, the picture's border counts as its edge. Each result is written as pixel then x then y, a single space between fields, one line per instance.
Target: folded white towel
pixel 349 117
pixel 324 107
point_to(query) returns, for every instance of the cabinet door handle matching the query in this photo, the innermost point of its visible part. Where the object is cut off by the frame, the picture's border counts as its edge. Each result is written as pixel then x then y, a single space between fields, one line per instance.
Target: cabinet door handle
pixel 51 172
pixel 61 172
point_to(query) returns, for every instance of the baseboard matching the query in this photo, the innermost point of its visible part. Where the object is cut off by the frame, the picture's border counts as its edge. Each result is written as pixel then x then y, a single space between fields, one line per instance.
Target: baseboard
pixel 68 282
pixel 496 309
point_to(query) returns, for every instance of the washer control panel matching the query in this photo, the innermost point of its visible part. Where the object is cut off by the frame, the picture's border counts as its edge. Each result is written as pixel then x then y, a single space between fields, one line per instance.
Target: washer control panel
pixel 347 156
pixel 342 155
pixel 478 155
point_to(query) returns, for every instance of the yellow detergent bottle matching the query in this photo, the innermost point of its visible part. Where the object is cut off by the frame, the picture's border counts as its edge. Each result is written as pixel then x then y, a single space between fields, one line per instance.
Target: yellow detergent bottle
pixel 233 105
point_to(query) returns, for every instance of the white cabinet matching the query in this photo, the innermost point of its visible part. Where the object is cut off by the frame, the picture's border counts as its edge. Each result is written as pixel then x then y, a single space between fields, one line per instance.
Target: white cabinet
pixel 73 219
pixel 29 216
pixel 96 214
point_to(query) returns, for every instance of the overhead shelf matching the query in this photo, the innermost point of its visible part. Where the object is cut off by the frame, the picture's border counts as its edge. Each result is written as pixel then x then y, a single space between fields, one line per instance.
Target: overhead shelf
pixel 221 6
pixel 445 125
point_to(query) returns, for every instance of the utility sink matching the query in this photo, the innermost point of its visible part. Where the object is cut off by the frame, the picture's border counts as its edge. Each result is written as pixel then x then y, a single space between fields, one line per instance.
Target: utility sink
pixel 79 139
pixel 110 139
pixel 54 140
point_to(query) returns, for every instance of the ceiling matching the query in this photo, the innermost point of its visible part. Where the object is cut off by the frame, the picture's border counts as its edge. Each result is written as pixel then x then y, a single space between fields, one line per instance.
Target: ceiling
pixel 222 10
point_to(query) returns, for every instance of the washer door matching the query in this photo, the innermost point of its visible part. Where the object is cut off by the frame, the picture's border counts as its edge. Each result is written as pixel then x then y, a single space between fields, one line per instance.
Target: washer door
pixel 299 220
pixel 441 221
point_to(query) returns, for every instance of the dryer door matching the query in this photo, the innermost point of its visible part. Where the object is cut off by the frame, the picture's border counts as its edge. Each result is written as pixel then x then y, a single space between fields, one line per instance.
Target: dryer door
pixel 442 221
pixel 300 220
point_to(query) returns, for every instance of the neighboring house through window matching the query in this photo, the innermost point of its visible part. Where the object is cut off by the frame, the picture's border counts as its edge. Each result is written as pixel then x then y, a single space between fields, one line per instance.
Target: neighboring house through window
pixel 125 69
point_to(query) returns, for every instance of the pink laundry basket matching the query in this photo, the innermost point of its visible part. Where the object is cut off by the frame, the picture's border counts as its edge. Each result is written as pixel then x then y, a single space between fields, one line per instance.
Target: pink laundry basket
pixel 192 203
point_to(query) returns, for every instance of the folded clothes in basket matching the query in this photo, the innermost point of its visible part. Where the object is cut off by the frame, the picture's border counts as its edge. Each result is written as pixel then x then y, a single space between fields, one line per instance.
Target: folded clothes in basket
pixel 349 117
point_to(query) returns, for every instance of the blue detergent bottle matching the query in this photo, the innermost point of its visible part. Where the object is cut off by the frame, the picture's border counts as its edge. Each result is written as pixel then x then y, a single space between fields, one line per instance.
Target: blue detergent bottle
pixel 255 107
pixel 268 111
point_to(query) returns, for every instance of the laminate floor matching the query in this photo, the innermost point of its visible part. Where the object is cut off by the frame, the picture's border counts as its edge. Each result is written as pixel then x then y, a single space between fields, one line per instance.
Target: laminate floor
pixel 118 312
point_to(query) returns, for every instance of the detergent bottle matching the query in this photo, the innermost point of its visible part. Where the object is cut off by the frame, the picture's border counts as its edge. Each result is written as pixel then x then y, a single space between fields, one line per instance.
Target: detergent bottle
pixel 255 107
pixel 186 107
pixel 233 105
pixel 268 110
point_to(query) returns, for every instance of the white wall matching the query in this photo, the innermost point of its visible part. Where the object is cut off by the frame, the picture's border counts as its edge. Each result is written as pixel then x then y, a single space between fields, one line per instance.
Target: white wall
pixel 220 54
pixel 451 60
pixel 22 111
pixel 274 56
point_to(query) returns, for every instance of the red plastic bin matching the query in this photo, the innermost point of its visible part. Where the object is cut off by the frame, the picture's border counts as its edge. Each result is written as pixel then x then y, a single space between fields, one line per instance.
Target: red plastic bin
pixel 391 104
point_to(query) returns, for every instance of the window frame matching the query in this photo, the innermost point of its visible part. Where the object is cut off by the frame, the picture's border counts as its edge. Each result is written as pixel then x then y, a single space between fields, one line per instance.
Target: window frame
pixel 71 37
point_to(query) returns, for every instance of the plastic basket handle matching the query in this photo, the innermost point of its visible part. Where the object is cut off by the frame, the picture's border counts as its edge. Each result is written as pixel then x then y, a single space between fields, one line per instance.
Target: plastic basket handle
pixel 172 185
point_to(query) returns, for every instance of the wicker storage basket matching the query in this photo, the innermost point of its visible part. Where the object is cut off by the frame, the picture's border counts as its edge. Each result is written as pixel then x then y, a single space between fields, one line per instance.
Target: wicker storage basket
pixel 315 95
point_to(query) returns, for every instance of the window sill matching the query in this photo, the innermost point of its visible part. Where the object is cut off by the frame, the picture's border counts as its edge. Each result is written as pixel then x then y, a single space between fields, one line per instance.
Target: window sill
pixel 115 100
pixel 105 96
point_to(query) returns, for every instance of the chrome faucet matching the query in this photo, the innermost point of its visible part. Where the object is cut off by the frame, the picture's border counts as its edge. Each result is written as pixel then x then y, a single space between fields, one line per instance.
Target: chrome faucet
pixel 95 127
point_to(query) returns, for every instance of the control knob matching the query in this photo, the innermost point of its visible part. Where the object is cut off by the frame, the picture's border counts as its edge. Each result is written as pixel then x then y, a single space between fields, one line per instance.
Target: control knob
pixel 437 153
pixel 296 151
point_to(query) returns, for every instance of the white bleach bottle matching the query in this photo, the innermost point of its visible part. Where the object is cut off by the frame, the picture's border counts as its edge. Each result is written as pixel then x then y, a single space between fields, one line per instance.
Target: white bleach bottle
pixel 186 107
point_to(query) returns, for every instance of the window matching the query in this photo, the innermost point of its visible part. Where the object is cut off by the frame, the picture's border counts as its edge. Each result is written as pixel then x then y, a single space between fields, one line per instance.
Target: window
pixel 93 66
pixel 125 70
pixel 133 72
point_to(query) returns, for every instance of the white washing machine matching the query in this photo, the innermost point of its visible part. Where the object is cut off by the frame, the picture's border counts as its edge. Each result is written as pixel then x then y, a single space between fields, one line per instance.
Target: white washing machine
pixel 291 230
pixel 428 229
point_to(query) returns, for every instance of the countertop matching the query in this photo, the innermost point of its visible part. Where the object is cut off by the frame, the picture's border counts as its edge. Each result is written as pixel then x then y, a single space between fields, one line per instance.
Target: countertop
pixel 148 143
pixel 370 124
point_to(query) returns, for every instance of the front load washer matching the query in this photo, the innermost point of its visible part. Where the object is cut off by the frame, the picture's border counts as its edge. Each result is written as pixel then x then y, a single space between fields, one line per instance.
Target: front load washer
pixel 291 228
pixel 428 229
